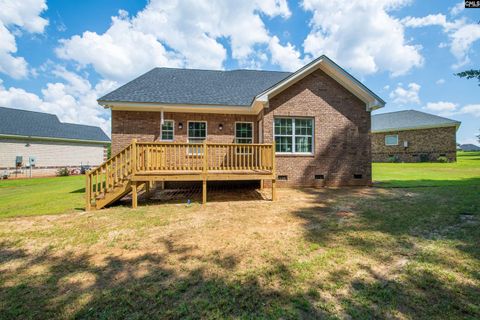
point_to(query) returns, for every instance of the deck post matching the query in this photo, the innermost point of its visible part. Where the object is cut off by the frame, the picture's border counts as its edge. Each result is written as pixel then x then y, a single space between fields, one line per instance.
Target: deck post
pixel 134 156
pixel 205 172
pixel 261 184
pixel 274 174
pixel 88 189
pixel 274 190
pixel 134 195
pixel 204 191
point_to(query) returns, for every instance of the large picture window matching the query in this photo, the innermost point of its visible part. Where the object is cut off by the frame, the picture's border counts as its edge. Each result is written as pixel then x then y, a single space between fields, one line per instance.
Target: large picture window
pixel 197 131
pixel 243 132
pixel 294 135
pixel 167 130
pixel 391 140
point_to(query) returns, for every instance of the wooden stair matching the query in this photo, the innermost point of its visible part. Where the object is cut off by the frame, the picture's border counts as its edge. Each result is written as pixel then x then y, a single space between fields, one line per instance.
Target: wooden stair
pixel 110 181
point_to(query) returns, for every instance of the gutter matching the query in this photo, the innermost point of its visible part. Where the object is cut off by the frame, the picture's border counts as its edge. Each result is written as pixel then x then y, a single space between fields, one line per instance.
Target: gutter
pixel 19 137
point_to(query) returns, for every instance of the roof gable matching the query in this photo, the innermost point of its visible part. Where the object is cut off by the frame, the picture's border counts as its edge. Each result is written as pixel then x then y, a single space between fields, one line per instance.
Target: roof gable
pixel 409 120
pixel 15 122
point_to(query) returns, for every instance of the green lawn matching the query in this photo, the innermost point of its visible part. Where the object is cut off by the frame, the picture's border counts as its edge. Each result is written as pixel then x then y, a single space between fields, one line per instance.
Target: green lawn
pixel 395 252
pixel 26 197
pixel 466 171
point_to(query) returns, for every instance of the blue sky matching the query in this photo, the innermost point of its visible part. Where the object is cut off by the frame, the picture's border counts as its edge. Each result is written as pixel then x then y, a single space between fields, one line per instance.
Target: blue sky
pixel 60 56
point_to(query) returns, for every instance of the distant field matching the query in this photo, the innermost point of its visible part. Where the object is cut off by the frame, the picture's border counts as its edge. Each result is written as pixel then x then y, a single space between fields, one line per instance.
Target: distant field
pixel 466 171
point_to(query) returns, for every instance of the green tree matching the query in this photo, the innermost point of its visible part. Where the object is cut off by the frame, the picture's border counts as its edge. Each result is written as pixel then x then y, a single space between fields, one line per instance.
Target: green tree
pixel 470 74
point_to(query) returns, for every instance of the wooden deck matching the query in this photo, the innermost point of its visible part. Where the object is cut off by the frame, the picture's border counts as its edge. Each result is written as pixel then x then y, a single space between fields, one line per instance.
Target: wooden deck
pixel 142 163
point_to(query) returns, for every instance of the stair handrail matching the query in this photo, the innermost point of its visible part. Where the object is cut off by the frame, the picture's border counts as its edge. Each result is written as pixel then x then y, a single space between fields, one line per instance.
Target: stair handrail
pixel 107 175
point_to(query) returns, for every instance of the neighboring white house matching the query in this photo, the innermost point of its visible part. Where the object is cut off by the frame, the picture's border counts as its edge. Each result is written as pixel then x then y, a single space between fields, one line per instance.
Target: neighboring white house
pixel 41 141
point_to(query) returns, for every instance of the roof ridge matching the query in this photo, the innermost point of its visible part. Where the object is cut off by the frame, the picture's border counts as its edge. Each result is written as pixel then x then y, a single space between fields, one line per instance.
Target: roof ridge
pixel 32 111
pixel 220 70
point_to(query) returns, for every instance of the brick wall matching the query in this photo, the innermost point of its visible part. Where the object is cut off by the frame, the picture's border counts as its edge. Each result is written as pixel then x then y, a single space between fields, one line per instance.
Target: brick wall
pixel 422 143
pixel 145 126
pixel 341 141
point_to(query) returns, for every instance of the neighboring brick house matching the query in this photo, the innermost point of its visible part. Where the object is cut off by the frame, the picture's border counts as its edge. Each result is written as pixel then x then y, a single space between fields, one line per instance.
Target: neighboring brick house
pixel 319 116
pixel 413 136
pixel 41 139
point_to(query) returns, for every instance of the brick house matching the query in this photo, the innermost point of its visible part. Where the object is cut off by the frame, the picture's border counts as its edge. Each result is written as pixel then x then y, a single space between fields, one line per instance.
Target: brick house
pixel 413 136
pixel 40 140
pixel 318 117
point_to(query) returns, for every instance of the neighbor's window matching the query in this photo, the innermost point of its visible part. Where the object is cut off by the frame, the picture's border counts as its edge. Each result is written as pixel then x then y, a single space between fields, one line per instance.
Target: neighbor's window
pixel 294 135
pixel 167 130
pixel 391 140
pixel 197 132
pixel 243 132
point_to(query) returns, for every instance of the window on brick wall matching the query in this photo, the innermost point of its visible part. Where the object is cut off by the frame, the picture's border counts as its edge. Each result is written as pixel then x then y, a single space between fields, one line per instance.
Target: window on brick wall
pixel 167 130
pixel 294 135
pixel 391 140
pixel 197 131
pixel 243 132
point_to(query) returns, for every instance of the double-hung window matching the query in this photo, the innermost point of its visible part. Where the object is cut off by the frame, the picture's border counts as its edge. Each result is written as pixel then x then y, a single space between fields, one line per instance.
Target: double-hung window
pixel 167 130
pixel 243 132
pixel 197 131
pixel 294 135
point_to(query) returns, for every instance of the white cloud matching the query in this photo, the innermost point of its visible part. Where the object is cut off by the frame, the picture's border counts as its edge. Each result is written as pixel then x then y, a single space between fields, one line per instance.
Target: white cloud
pixel 16 16
pixel 287 57
pixel 361 35
pixel 473 109
pixel 73 100
pixel 462 35
pixel 430 20
pixel 440 81
pixel 176 33
pixel 408 95
pixel 442 107
pixel 456 9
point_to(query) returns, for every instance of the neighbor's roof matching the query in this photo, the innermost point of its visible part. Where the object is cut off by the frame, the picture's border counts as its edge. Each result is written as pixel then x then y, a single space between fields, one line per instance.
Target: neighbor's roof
pixel 196 87
pixel 469 147
pixel 408 120
pixel 15 122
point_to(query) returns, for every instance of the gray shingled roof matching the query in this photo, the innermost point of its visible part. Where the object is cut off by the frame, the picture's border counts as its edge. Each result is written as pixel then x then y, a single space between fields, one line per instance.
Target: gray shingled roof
pixel 408 119
pixel 37 124
pixel 202 87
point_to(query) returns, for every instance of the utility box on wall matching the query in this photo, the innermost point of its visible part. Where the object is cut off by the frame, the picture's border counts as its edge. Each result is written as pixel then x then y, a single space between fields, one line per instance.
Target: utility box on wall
pixel 32 161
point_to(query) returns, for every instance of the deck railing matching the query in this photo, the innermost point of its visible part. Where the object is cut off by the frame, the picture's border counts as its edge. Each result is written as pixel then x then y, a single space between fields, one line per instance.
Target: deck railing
pixel 168 157
pixel 159 156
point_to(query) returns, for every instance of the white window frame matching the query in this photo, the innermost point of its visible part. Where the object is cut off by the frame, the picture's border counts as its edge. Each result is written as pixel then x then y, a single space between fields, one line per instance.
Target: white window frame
pixel 173 131
pixel 391 144
pixel 253 132
pixel 293 136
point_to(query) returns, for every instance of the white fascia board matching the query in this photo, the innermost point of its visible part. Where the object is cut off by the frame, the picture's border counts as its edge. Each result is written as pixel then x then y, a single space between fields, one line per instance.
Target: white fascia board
pixel 35 138
pixel 130 106
pixel 335 72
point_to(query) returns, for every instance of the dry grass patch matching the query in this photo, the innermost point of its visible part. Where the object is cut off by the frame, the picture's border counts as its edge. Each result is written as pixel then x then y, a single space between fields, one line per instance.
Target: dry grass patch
pixel 346 253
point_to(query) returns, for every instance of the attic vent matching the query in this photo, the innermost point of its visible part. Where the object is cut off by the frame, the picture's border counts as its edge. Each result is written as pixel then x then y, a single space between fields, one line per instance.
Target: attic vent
pixel 282 178
pixel 357 176
pixel 319 177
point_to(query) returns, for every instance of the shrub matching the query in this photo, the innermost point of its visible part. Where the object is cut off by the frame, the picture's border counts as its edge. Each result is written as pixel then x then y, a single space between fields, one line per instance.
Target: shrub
pixel 63 172
pixel 442 159
pixel 393 158
pixel 424 157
